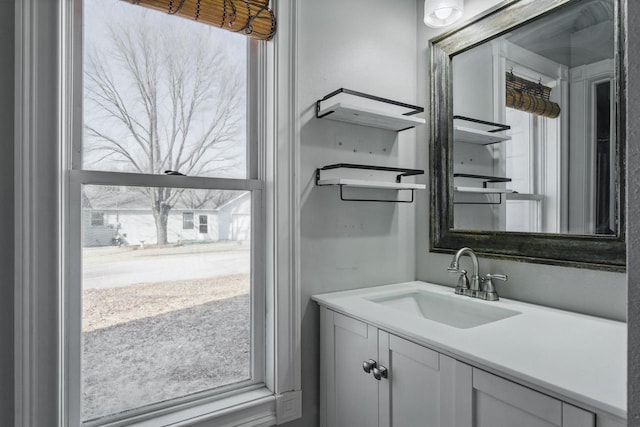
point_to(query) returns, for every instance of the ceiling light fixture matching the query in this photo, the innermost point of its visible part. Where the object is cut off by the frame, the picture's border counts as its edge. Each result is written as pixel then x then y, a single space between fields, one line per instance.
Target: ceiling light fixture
pixel 440 13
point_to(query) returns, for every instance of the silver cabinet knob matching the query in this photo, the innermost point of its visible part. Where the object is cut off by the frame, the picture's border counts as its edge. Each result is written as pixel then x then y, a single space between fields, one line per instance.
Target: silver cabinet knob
pixel 368 365
pixel 380 372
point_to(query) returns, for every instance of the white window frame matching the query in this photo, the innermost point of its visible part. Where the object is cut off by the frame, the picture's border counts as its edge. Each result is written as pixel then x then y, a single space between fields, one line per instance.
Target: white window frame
pixel 72 65
pixel 43 30
pixel 553 209
pixel 532 195
pixel 71 339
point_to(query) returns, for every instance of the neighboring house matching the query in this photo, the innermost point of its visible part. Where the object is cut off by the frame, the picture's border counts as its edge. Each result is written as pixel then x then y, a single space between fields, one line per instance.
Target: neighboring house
pixel 124 217
pixel 234 219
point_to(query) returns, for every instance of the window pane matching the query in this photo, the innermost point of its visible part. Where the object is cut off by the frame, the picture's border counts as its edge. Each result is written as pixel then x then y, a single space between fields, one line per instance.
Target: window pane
pixel 187 221
pixel 519 153
pixel 97 219
pixel 166 310
pixel 522 216
pixel 162 93
pixel 204 224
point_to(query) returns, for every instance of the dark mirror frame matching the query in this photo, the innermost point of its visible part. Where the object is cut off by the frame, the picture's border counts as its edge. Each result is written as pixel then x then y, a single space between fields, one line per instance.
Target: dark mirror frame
pixel 600 252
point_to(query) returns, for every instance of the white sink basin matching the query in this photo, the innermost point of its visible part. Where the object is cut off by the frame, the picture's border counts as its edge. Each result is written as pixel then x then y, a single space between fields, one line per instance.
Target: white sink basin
pixel 453 310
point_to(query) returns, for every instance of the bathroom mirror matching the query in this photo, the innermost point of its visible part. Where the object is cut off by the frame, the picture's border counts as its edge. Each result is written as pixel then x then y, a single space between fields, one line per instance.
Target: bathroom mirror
pixel 527 134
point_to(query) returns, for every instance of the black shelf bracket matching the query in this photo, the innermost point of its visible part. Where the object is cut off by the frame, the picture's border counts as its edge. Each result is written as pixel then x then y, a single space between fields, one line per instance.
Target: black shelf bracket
pixel 414 109
pixel 499 202
pixel 486 179
pixel 499 127
pixel 403 171
pixel 345 199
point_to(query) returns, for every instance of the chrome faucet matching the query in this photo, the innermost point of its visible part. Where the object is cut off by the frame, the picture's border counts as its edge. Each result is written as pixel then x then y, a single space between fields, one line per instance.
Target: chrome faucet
pixel 466 287
pixel 477 287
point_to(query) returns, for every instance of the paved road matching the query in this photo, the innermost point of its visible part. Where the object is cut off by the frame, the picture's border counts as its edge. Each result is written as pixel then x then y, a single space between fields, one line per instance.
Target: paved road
pixel 165 268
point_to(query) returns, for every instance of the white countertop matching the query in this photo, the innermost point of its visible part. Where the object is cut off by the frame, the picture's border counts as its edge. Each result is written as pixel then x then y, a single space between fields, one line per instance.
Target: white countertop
pixel 583 358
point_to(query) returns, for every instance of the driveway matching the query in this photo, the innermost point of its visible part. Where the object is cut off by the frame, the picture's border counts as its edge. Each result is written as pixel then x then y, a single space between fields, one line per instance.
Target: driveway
pixel 162 268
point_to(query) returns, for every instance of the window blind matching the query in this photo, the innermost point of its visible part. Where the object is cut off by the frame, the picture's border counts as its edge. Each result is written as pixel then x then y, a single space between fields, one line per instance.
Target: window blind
pixel 250 17
pixel 531 97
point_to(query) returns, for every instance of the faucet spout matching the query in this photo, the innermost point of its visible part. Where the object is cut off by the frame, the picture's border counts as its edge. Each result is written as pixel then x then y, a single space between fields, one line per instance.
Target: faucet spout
pixel 455 265
pixel 477 287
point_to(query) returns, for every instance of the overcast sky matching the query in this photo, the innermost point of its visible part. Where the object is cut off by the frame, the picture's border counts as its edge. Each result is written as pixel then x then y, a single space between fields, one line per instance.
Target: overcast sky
pixel 99 13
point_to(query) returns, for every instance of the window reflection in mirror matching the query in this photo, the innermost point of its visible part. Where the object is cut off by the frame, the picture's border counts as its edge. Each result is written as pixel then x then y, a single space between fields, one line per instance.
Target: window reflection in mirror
pixel 551 82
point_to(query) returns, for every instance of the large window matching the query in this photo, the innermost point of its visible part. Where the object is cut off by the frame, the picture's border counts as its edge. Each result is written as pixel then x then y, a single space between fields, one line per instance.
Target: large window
pixel 170 310
pixel 72 279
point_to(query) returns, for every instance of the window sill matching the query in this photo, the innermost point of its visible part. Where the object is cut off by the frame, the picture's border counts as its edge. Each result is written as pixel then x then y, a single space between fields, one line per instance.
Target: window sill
pixel 254 408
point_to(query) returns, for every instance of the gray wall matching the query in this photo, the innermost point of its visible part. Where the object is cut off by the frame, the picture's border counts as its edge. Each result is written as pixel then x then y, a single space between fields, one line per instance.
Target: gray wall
pixel 369 46
pixel 580 290
pixel 346 245
pixel 349 245
pixel 6 213
pixel 633 207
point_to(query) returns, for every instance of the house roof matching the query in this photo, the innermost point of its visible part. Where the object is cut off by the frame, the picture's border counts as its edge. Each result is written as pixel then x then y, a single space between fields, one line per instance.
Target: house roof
pixel 237 199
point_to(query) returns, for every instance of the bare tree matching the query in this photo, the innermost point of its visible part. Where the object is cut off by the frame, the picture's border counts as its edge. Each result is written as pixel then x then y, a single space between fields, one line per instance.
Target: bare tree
pixel 157 100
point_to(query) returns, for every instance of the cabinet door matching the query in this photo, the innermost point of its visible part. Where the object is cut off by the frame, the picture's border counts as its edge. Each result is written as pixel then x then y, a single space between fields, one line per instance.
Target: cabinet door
pixel 349 395
pixel 610 421
pixel 501 403
pixel 422 387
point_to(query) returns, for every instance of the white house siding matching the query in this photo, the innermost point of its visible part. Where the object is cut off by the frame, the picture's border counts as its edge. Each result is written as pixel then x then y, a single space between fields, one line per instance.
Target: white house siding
pixel 98 236
pixel 241 227
pixel 212 226
pixel 235 219
pixel 138 226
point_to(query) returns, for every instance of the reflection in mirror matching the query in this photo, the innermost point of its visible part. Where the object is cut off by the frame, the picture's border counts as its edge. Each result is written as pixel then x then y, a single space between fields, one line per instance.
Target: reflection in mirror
pixel 534 147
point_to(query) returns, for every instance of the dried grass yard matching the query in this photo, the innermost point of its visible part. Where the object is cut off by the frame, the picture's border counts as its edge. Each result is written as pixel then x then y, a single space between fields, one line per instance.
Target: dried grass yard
pixel 151 341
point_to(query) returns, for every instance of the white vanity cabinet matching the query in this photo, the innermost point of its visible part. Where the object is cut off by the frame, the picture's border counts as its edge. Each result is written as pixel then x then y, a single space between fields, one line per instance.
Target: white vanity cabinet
pixel 350 396
pixel 422 387
pixel 501 403
pixel 419 389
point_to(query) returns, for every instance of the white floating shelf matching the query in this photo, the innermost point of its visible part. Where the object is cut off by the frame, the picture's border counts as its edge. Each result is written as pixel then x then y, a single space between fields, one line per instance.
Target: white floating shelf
pixel 367 117
pixel 524 196
pixel 481 190
pixel 346 175
pixel 349 182
pixel 475 136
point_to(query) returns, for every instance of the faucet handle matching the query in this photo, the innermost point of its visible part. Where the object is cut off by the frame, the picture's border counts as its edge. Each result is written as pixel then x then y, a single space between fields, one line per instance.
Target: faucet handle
pixel 490 276
pixel 489 290
pixel 463 280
